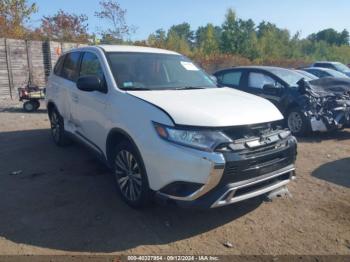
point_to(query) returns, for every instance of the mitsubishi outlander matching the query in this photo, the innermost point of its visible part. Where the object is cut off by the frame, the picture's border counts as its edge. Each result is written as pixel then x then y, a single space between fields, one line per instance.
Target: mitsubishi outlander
pixel 165 129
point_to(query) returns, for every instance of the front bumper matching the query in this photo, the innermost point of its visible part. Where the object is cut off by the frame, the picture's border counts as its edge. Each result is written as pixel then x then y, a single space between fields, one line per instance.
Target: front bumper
pixel 243 190
pixel 244 175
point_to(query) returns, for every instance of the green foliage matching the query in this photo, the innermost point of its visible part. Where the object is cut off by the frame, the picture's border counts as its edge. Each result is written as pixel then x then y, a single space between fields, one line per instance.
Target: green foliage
pixel 207 39
pixel 331 37
pixel 236 41
pixel 183 31
pixel 229 37
pixel 13 16
pixel 264 43
pixel 108 39
pixel 158 39
pixel 177 43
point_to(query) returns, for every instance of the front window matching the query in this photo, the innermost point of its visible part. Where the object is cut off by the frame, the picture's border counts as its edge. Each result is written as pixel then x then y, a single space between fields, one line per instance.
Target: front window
pixel 150 71
pixel 258 80
pixel 90 65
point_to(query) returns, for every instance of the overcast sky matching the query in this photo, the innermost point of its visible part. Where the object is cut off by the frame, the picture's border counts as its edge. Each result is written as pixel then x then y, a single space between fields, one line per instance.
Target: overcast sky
pixel 307 16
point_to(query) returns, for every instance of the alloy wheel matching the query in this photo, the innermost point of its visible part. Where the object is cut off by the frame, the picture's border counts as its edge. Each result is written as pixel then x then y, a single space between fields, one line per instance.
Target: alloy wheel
pixel 295 122
pixel 128 175
pixel 55 126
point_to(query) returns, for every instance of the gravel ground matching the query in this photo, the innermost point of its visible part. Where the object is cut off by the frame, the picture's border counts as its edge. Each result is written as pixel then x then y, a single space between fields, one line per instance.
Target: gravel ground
pixel 63 201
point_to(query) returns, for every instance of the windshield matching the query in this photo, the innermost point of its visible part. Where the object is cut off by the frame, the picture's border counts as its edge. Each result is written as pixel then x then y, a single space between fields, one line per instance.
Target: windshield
pixel 335 73
pixel 341 67
pixel 150 71
pixel 308 76
pixel 289 76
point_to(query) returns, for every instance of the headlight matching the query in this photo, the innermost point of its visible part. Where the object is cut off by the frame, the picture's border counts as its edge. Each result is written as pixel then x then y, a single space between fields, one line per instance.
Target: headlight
pixel 206 140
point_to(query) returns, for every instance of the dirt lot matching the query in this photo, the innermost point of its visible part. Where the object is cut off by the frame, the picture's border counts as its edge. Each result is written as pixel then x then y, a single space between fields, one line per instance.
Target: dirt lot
pixel 64 201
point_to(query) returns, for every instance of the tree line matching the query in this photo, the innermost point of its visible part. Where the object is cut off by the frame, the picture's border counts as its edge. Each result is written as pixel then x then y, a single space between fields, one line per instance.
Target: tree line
pixel 236 41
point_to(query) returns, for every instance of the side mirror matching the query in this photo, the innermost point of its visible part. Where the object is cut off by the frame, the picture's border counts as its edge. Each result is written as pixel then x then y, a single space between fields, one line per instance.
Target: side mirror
pixel 212 77
pixel 89 83
pixel 271 89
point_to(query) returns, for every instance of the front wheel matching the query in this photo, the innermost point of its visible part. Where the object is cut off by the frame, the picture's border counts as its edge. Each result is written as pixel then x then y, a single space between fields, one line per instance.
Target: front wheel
pixel 297 122
pixel 130 175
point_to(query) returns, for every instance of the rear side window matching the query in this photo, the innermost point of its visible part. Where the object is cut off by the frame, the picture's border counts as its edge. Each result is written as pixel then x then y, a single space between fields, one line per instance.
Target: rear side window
pixel 324 65
pixel 258 80
pixel 318 73
pixel 58 66
pixel 70 66
pixel 230 78
pixel 90 65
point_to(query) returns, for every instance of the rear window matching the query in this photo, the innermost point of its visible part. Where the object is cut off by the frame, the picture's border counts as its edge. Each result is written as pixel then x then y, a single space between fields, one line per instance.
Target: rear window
pixel 58 66
pixel 318 73
pixel 324 65
pixel 70 66
pixel 230 78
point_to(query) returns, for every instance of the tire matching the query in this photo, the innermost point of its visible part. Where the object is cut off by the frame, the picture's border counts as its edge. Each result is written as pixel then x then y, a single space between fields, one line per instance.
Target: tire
pixel 130 175
pixel 29 106
pixel 297 122
pixel 59 135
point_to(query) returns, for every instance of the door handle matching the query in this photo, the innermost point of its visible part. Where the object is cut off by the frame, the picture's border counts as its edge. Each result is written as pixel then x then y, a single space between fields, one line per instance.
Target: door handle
pixel 75 98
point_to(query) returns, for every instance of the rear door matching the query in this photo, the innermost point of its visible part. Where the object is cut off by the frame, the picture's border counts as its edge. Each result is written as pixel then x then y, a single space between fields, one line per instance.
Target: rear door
pixel 230 78
pixel 65 86
pixel 70 75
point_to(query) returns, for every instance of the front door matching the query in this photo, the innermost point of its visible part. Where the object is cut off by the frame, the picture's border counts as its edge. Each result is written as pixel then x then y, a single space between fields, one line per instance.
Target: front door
pixel 265 86
pixel 90 107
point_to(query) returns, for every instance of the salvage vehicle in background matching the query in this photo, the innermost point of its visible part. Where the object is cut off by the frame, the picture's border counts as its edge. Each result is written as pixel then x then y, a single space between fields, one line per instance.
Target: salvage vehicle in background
pixel 333 84
pixel 324 72
pixel 305 106
pixel 308 76
pixel 333 65
pixel 165 128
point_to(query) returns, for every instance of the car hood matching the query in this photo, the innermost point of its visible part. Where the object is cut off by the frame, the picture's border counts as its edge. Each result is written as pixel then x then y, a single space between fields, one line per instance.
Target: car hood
pixel 212 107
pixel 332 84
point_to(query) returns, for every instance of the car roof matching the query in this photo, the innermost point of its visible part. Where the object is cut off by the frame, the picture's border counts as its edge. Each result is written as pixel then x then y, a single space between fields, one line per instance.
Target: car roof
pixel 326 62
pixel 319 68
pixel 125 48
pixel 266 68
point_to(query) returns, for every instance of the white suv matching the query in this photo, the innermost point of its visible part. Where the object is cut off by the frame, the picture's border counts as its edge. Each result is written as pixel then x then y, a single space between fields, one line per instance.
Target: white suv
pixel 165 129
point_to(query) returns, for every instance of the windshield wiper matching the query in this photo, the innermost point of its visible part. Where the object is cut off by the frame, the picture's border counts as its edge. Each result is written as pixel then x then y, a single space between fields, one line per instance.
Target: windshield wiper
pixel 189 88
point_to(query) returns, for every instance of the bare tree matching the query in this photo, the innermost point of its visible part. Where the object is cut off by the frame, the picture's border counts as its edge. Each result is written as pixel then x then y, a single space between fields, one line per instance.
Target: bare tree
pixel 114 14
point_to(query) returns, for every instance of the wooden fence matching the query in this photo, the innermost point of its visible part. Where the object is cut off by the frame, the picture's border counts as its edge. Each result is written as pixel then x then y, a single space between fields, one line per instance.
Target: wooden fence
pixel 22 61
